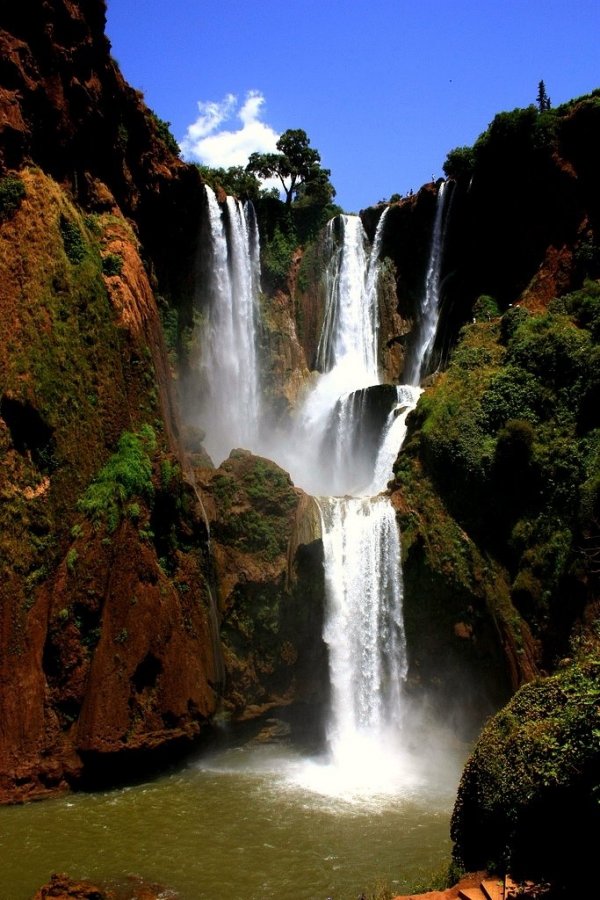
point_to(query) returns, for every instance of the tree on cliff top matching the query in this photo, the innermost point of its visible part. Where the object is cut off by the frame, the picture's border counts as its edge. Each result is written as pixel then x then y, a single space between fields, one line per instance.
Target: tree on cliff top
pixel 295 165
pixel 542 99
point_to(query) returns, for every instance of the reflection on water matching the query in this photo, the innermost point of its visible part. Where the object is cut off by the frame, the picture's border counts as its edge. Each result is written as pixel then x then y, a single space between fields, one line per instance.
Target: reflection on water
pixel 244 824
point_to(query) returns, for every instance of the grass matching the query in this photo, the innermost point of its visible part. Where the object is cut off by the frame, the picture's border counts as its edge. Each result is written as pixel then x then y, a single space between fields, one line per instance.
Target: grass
pixel 127 474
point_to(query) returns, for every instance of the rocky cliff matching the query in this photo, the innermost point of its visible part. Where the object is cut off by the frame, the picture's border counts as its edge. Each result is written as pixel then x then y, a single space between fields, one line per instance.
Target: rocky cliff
pixel 108 643
pixel 497 484
pixel 112 597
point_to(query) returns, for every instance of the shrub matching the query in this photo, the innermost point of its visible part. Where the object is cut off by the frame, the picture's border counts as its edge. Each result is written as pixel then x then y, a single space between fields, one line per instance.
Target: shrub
pixel 12 191
pixel 72 557
pixel 513 450
pixel 460 163
pixel 72 240
pixel 127 474
pixel 112 264
pixel 511 394
pixel 485 308
pixel 511 320
pixel 164 132
pixel 277 256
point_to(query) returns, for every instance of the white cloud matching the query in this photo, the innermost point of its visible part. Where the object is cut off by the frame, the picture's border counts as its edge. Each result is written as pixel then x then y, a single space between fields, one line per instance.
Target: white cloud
pixel 207 144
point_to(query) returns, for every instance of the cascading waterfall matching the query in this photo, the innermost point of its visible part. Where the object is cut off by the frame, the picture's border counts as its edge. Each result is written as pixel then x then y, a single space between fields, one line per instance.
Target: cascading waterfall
pixel 364 627
pixel 364 632
pixel 328 422
pixel 351 322
pixel 429 313
pixel 229 397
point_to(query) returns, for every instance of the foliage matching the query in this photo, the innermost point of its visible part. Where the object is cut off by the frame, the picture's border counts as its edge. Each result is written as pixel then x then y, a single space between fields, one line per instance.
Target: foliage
pixel 127 474
pixel 254 499
pixel 536 770
pixel 73 241
pixel 460 162
pixel 542 99
pixel 277 256
pixel 485 308
pixel 12 192
pixel 235 181
pixel 112 264
pixel 296 165
pixel 164 132
pixel 519 137
pixel 509 435
pixel 71 559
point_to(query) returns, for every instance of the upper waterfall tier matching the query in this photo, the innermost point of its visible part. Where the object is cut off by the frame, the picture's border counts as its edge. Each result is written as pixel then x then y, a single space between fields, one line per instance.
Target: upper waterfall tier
pixel 426 328
pixel 228 398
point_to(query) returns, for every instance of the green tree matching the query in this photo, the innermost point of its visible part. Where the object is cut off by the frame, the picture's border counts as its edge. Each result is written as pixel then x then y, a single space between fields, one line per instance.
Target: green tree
pixel 296 165
pixel 235 181
pixel 542 99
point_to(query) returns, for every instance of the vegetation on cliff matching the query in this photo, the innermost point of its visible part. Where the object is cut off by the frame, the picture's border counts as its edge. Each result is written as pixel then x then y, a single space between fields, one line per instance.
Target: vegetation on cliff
pixel 512 427
pixel 529 799
pixel 94 504
pixel 500 504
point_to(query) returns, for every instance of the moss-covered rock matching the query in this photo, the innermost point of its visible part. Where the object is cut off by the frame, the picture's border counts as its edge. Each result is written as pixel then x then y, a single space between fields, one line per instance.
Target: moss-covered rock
pixel 508 443
pixel 529 799
pixel 268 565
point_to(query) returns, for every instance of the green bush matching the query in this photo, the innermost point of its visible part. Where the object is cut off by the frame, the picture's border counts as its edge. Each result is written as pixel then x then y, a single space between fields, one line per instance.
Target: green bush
pixel 71 560
pixel 485 308
pixel 164 132
pixel 512 393
pixel 72 240
pixel 538 757
pixel 12 191
pixel 277 256
pixel 511 320
pixel 235 181
pixel 127 474
pixel 112 264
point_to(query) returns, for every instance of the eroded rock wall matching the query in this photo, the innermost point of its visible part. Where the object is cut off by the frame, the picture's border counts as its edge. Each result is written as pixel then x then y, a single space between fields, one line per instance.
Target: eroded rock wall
pixel 106 628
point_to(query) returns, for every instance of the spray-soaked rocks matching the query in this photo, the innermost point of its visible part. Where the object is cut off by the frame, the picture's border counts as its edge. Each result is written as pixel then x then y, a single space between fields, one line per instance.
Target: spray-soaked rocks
pixel 267 551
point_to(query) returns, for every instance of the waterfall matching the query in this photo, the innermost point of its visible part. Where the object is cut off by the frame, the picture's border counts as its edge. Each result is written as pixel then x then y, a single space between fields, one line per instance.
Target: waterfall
pixel 341 449
pixel 394 433
pixel 323 456
pixel 229 393
pixel 427 324
pixel 351 322
pixel 364 628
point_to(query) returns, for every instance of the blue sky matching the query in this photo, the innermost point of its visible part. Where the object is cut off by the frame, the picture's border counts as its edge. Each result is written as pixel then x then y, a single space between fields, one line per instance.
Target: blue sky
pixel 383 89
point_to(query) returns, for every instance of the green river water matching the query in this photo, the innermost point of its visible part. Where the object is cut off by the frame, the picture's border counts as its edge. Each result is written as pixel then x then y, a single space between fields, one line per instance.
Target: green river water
pixel 246 824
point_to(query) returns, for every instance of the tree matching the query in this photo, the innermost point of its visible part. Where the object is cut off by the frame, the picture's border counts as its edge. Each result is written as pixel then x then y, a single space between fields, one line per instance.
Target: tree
pixel 542 99
pixel 235 181
pixel 295 165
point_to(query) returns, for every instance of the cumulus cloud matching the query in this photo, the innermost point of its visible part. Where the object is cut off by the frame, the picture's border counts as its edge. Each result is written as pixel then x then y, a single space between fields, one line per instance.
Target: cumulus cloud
pixel 208 143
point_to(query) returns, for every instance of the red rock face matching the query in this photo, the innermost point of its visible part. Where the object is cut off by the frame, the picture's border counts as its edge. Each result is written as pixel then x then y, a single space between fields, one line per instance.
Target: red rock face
pixel 105 654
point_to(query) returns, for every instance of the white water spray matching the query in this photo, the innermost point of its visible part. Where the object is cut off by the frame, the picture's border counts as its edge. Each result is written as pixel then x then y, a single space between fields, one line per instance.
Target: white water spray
pixel 322 455
pixel 229 393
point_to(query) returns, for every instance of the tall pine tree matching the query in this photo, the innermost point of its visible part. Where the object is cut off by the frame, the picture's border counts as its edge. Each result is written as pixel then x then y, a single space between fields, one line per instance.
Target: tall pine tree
pixel 542 99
